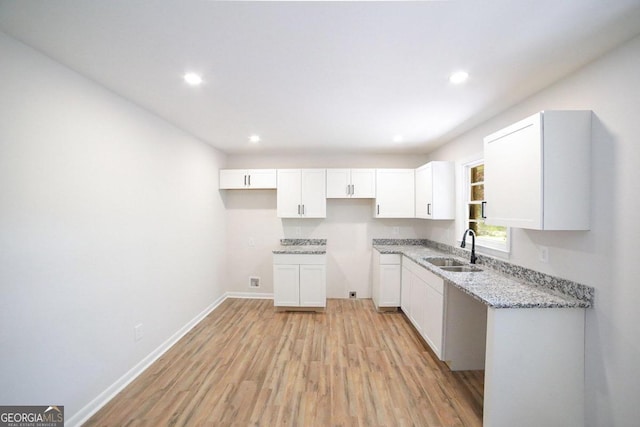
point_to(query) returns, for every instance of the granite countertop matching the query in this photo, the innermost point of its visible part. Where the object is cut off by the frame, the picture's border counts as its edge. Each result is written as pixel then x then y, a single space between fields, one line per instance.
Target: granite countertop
pixel 488 286
pixel 302 246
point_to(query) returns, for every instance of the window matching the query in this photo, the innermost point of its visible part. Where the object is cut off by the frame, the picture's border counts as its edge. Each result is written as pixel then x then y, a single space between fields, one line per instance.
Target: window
pixel 489 236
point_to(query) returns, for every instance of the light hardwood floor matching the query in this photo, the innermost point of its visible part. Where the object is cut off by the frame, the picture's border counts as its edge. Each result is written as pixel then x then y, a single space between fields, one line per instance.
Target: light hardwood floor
pixel 246 364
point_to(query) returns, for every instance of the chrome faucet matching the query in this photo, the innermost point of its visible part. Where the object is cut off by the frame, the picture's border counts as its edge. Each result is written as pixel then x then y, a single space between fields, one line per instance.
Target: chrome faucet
pixel 473 243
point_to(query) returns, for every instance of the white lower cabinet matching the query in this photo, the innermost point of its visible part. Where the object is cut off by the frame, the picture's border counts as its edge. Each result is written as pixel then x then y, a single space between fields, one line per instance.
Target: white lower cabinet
pixel 299 280
pixel 405 289
pixel 433 319
pixel 313 286
pixel 386 280
pixel 417 304
pixel 422 300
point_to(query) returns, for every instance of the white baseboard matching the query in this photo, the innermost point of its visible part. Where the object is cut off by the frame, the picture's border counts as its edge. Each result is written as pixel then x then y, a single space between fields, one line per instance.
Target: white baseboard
pixel 103 398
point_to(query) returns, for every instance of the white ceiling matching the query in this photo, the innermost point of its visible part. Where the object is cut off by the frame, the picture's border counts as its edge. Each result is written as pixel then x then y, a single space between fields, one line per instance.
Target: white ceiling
pixel 326 77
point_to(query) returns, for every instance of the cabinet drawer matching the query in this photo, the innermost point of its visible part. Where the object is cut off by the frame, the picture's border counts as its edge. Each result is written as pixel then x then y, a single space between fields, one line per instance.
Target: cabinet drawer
pixel 395 259
pixel 301 259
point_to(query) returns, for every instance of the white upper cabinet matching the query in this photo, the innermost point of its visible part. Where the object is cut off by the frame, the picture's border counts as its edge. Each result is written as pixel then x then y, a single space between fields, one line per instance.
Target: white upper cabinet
pixel 301 193
pixel 395 193
pixel 435 191
pixel 351 183
pixel 537 172
pixel 236 179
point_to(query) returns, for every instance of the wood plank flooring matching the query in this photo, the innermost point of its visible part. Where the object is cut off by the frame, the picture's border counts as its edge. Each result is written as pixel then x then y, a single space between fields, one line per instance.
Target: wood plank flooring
pixel 246 364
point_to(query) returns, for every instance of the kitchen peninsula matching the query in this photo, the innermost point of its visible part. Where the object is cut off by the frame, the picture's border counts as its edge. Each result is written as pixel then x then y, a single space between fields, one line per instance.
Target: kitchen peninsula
pixel 525 329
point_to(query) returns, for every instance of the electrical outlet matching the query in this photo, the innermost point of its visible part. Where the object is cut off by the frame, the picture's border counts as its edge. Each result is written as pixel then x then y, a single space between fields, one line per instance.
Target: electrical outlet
pixel 137 332
pixel 352 294
pixel 543 254
pixel 252 242
pixel 254 282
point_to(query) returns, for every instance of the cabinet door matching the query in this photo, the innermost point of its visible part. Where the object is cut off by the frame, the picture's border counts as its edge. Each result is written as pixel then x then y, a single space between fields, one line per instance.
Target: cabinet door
pixel 424 191
pixel 288 194
pixel 313 286
pixel 513 175
pixel 390 276
pixel 314 198
pixel 375 279
pixel 363 183
pixel 405 290
pixel 261 178
pixel 232 179
pixel 418 303
pixel 433 320
pixel 395 196
pixel 442 194
pixel 286 285
pixel 338 182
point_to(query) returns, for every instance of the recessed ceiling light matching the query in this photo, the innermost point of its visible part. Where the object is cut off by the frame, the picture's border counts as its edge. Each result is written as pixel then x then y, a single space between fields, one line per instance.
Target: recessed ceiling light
pixel 193 79
pixel 398 138
pixel 458 77
pixel 254 138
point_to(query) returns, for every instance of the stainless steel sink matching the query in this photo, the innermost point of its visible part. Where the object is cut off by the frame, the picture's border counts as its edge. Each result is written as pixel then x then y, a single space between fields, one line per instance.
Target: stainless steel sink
pixel 461 268
pixel 445 262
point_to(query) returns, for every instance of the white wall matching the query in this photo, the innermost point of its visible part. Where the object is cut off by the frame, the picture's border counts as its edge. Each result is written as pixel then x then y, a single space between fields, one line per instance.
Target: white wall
pixel 348 228
pixel 606 257
pixel 109 217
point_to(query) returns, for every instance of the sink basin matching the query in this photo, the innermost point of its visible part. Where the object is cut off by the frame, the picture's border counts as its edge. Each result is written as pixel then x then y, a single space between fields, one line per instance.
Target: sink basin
pixel 461 268
pixel 444 262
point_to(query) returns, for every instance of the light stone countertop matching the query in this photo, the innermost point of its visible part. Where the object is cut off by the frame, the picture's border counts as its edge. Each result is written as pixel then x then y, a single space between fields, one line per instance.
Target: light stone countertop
pixel 490 287
pixel 302 246
pixel 301 249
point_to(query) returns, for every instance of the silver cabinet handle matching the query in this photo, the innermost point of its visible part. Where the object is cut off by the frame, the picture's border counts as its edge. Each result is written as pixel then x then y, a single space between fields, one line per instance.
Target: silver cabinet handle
pixel 249 180
pixel 378 210
pixel 348 189
pixel 428 208
pixel 302 209
pixel 298 209
pixel 245 180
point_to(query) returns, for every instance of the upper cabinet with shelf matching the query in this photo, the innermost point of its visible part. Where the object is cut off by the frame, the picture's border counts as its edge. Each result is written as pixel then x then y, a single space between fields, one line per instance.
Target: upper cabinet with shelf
pixel 251 179
pixel 537 172
pixel 435 191
pixel 351 183
pixel 395 193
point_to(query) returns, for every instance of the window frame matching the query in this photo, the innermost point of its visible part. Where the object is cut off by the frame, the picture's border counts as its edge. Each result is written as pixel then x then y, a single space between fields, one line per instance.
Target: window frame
pixel 487 246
